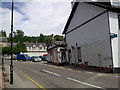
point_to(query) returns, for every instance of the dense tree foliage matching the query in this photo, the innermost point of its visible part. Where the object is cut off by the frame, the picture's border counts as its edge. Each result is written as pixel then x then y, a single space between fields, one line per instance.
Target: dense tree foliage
pixel 3 33
pixel 58 38
pixel 41 38
pixel 19 38
pixel 20 47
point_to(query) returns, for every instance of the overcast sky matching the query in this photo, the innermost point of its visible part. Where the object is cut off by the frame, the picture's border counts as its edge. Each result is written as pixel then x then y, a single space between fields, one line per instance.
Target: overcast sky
pixel 35 17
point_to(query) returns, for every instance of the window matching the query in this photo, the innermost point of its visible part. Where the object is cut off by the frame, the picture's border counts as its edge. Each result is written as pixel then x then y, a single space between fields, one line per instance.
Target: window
pixel 119 21
pixel 44 47
pixel 34 47
pixel 79 54
pixel 40 48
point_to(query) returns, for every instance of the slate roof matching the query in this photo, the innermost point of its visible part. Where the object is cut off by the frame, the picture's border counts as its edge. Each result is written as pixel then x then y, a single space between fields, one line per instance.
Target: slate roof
pixel 106 5
pixel 59 42
pixel 37 44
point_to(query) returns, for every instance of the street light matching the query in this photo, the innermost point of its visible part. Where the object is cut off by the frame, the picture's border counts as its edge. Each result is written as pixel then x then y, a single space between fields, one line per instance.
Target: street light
pixel 11 65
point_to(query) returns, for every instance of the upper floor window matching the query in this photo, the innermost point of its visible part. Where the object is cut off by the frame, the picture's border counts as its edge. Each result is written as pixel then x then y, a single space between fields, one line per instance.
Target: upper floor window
pixel 34 47
pixel 40 48
pixel 44 47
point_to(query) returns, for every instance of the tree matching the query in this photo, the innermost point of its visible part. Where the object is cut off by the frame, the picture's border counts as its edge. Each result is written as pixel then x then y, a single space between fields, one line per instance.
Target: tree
pixel 6 50
pixel 20 47
pixel 3 33
pixel 48 39
pixel 58 38
pixel 41 38
pixel 18 36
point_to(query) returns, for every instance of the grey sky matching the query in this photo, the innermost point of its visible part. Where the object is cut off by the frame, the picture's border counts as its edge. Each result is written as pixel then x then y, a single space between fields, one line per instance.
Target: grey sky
pixel 37 17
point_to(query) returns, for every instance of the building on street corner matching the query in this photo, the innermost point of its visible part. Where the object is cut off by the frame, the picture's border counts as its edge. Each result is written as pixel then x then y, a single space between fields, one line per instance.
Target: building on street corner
pixel 56 52
pixel 92 34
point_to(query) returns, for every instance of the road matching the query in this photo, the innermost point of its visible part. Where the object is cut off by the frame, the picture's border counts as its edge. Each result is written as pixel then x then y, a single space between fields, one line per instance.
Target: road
pixel 51 76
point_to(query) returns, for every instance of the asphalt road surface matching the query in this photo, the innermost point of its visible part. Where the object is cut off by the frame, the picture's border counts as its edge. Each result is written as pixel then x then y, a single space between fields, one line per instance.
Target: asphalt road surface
pixel 51 76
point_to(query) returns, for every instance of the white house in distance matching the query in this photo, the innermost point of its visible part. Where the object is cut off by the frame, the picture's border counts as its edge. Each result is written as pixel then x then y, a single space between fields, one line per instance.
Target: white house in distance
pixel 35 49
pixel 92 34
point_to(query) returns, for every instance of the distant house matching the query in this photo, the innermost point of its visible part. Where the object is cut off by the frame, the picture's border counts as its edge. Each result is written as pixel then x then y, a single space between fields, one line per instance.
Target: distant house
pixel 36 49
pixel 92 35
pixel 56 52
pixel 3 41
pixel 9 44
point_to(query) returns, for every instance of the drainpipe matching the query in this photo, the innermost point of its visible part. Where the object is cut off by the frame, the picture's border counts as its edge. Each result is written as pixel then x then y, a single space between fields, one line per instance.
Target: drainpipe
pixel 76 55
pixel 99 57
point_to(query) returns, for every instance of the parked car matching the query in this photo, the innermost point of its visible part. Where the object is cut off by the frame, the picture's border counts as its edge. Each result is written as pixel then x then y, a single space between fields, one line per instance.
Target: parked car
pixel 45 57
pixel 23 57
pixel 36 59
pixel 42 58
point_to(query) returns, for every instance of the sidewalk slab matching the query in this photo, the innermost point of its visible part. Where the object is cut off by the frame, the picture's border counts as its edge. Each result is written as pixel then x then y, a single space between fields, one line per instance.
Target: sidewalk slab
pixel 1 80
pixel 18 81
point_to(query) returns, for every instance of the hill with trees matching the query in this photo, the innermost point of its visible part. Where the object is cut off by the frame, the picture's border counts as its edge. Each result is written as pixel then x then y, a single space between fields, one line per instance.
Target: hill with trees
pixel 20 38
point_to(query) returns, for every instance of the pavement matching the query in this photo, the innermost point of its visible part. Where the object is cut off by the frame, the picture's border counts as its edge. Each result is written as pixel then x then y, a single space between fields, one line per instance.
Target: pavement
pixel 1 79
pixel 45 76
pixel 19 80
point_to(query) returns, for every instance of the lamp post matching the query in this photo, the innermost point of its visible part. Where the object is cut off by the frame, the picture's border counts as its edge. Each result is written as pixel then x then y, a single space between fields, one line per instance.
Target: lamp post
pixel 11 65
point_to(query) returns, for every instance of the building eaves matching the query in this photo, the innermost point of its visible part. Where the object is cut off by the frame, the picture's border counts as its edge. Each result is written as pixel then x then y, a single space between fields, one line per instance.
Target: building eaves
pixel 106 5
pixel 70 17
pixel 37 44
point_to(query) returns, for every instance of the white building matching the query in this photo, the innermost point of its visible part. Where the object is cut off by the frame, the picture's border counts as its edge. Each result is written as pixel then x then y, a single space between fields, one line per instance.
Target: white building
pixel 56 52
pixel 92 34
pixel 35 49
pixel 3 41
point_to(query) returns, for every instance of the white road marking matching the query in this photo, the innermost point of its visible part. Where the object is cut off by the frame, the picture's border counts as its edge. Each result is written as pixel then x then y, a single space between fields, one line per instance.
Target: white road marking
pixel 99 74
pixel 56 74
pixel 51 72
pixel 116 76
pixel 90 72
pixel 83 83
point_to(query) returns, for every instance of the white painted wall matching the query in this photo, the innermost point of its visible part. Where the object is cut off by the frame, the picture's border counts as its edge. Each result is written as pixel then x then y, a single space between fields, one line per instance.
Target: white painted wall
pixel 93 37
pixel 114 29
pixel 34 53
pixel 119 46
pixel 36 49
pixel 83 13
pixel 90 53
pixel 91 32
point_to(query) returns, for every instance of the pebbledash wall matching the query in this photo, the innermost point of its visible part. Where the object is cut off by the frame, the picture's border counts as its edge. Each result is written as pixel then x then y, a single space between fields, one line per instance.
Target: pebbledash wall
pixel 93 38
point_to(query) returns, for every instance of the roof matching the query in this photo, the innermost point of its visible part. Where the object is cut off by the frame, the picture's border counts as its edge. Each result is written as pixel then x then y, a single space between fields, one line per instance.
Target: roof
pixel 37 44
pixel 106 5
pixel 57 44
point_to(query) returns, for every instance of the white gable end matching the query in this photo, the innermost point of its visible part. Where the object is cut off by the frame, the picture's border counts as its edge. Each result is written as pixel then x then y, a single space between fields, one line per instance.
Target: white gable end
pixel 83 13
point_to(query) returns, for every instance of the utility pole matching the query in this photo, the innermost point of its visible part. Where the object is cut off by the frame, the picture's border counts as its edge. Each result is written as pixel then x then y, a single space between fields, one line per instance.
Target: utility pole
pixel 11 65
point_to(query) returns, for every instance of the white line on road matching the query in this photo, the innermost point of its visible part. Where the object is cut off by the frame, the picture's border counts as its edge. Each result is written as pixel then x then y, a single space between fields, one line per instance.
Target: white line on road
pixel 116 76
pixel 83 83
pixel 90 72
pixel 51 72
